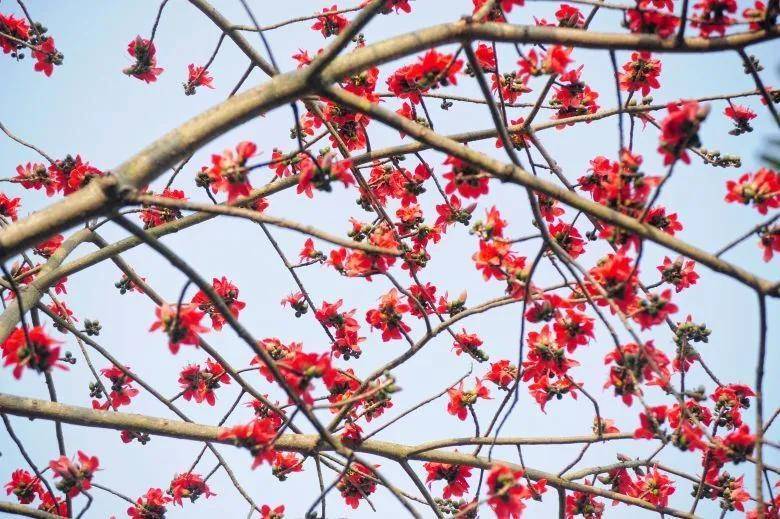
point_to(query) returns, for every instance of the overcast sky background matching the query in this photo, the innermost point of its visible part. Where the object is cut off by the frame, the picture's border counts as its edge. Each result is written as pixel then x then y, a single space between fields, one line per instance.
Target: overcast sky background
pixel 89 107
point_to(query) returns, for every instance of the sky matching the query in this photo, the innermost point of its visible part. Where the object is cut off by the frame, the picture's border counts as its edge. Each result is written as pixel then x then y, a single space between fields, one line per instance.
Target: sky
pixel 89 107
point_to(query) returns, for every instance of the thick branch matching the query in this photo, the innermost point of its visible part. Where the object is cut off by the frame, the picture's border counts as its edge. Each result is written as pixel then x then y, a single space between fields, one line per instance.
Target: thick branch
pixel 103 195
pixel 302 443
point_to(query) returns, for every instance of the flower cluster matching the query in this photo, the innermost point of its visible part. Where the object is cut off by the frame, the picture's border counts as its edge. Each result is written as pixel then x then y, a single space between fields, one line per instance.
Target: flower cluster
pixel 198 383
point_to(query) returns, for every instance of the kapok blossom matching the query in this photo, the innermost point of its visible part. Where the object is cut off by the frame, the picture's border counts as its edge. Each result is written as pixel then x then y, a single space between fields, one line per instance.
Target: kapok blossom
pixel 188 486
pixel 145 67
pixel 182 324
pixel 228 172
pixel 356 484
pixel 760 189
pixel 640 73
pixel 40 353
pixel 196 77
pixel 387 317
pixel 74 477
pixel 228 292
pixel 679 130
pixel 455 477
pixel 151 505
pixel 24 486
pixel 506 493
pixel 461 400
pixel 257 436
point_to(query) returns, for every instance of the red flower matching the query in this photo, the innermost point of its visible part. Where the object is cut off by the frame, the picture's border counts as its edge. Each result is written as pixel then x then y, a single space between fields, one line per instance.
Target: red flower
pixel 257 436
pixel 760 189
pixel 770 241
pixel 741 116
pixel 387 317
pixel 81 175
pixel 545 389
pixel 53 505
pixel 689 438
pixel 9 206
pixel 452 212
pixel 182 325
pixel 651 422
pixel 729 399
pixel 188 486
pixel 302 57
pixel 197 76
pixel 668 223
pixel 572 330
pixel 228 292
pixel 46 56
pixel 518 138
pixel 654 310
pixel 266 512
pixel 297 302
pixel 652 22
pixel 486 58
pixel 76 477
pixel 121 389
pixel 330 23
pixel 679 129
pixel 200 383
pixel 152 216
pixel 461 400
pixel 500 7
pixel 228 172
pixel 322 174
pixel 469 343
pixel 145 54
pixel 329 315
pixel 496 14
pixel 454 475
pixel 711 16
pixel 491 257
pixel 41 354
pixel 309 253
pixel 299 369
pixel 425 295
pixel 150 505
pixel 502 374
pixel 36 176
pixel 655 488
pixel 569 16
pixel 573 96
pixel 352 432
pixel 735 495
pixel 568 237
pixel 24 486
pixel 432 70
pixel 356 484
pixel 632 366
pixel 511 85
pixel 692 410
pixel 605 426
pixel 286 463
pixel 679 273
pixel 756 15
pixel 641 73
pixel 616 276
pixel 12 26
pixel 583 504
pixel 546 358
pixel 506 493
pixel 47 248
pixel 454 307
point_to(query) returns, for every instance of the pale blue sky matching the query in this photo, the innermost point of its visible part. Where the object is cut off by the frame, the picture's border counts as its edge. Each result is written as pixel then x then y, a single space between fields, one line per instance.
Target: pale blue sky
pixel 90 107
